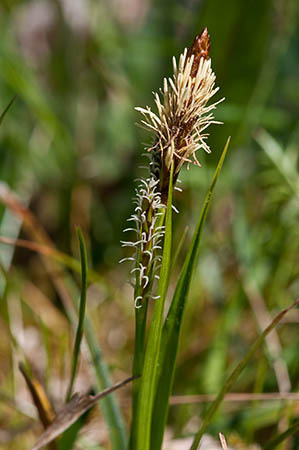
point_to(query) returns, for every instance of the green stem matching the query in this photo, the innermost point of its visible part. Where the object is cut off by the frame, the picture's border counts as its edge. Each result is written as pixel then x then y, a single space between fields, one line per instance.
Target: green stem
pixel 150 367
pixel 140 329
pixel 139 343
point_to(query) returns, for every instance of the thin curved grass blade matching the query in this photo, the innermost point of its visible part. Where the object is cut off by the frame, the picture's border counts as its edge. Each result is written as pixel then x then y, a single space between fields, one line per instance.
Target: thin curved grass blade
pixel 235 374
pixel 172 326
pixel 3 114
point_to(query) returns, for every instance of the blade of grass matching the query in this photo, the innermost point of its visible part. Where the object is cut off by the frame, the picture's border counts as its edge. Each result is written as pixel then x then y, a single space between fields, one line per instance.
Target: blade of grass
pixel 235 374
pixel 150 368
pixel 172 326
pixel 82 309
pixel 236 397
pixel 7 108
pixel 273 443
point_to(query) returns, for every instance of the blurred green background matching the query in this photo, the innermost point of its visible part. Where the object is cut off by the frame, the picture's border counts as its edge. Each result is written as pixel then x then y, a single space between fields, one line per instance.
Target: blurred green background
pixel 70 150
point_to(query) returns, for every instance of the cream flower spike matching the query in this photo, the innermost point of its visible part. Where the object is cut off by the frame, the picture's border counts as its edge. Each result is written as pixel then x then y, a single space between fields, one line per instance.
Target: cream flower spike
pixel 183 114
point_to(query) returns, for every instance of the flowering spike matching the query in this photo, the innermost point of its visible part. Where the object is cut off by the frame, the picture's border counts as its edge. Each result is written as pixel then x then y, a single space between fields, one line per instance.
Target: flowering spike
pixel 147 210
pixel 182 111
pixel 200 49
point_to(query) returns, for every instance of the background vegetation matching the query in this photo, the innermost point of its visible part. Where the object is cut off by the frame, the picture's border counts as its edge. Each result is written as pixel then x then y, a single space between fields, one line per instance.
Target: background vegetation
pixel 70 152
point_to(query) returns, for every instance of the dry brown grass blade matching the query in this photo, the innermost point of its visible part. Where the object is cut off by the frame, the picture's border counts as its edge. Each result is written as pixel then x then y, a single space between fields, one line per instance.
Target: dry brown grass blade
pixel 39 397
pixel 77 406
pixel 40 248
pixel 51 252
pixel 12 202
pixel 234 397
pixel 45 411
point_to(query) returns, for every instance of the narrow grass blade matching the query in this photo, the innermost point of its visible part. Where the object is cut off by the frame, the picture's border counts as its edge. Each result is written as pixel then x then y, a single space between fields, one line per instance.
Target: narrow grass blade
pixel 172 326
pixel 82 309
pixel 150 368
pixel 273 443
pixel 235 374
pixel 6 109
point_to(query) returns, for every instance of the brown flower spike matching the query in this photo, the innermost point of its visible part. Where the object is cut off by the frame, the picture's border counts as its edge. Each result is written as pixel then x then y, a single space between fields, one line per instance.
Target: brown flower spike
pixel 182 114
pixel 200 49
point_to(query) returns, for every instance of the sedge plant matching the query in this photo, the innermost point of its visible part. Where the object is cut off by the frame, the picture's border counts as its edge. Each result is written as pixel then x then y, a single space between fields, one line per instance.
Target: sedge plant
pixel 178 129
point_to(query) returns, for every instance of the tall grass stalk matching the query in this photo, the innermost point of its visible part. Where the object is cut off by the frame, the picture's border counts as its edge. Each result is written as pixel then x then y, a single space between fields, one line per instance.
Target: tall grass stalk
pixel 178 126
